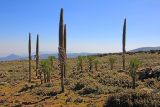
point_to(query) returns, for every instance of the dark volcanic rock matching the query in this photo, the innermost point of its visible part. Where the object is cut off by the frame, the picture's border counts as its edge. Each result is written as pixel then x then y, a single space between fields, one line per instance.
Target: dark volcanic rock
pixel 149 73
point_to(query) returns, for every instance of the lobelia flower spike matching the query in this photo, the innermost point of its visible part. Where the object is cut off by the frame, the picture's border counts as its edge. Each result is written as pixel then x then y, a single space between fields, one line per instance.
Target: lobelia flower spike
pixel 124 43
pixel 37 55
pixel 29 50
pixel 65 34
pixel 61 49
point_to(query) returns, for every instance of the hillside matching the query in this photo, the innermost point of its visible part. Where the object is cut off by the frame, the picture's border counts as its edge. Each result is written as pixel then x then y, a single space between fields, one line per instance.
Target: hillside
pixel 12 57
pixel 145 49
pixel 82 88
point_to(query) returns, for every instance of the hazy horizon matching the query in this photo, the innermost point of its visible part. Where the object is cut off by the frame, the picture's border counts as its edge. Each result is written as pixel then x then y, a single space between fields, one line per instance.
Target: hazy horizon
pixel 93 26
pixel 54 52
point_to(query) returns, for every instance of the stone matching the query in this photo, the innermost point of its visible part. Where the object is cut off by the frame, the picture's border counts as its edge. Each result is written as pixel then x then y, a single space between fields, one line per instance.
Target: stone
pixel 68 99
pixel 17 94
pixel 2 94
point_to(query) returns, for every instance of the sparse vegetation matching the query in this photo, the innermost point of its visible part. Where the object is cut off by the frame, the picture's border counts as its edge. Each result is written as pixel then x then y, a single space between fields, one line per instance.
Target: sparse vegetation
pixel 101 86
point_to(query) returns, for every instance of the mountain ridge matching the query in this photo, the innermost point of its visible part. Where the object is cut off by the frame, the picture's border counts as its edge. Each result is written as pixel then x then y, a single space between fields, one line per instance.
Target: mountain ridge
pixel 145 49
pixel 69 55
pixel 43 56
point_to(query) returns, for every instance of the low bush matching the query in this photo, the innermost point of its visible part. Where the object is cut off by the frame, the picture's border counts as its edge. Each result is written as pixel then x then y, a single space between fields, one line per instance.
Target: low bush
pixel 131 98
pixel 44 91
pixel 78 86
pixel 88 90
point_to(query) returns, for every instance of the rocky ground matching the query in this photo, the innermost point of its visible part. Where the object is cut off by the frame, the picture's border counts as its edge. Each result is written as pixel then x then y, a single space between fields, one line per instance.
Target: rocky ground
pixel 82 88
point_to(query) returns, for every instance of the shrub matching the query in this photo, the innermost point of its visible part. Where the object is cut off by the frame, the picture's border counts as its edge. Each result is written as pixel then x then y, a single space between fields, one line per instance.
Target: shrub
pixel 80 63
pixel 112 60
pixel 131 98
pixel 90 61
pixel 46 68
pixel 150 83
pixel 96 62
pixel 88 90
pixel 133 66
pixel 44 91
pixel 78 86
pixel 114 80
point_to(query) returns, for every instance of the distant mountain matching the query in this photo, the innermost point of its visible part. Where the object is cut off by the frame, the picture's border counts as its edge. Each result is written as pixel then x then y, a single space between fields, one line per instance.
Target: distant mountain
pixel 145 49
pixel 42 56
pixel 69 55
pixel 74 55
pixel 10 57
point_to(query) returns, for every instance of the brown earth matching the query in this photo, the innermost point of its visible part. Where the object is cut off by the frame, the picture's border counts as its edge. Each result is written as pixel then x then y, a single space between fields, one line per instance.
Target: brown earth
pixel 82 88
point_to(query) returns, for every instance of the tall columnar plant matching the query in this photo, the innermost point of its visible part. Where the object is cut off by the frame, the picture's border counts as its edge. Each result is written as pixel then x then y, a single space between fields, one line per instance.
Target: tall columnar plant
pixel 61 48
pixel 30 58
pixel 133 66
pixel 37 54
pixel 124 43
pixel 65 34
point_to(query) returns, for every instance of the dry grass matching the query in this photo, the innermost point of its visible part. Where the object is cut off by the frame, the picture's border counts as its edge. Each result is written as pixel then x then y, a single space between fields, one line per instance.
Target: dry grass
pixel 95 86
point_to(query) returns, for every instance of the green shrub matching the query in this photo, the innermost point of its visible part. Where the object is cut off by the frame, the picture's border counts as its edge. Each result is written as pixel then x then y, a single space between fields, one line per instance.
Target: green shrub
pixel 45 68
pixel 80 63
pixel 90 61
pixel 112 60
pixel 96 62
pixel 133 66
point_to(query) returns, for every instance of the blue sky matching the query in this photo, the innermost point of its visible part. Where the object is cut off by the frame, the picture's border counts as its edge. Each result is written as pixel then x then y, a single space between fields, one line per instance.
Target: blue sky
pixel 92 25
